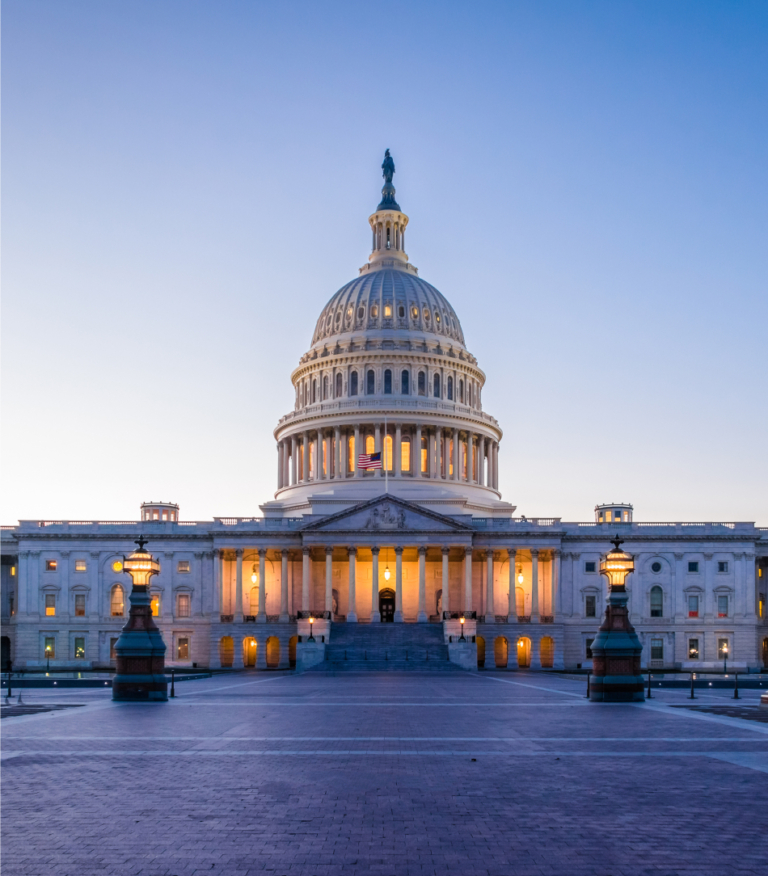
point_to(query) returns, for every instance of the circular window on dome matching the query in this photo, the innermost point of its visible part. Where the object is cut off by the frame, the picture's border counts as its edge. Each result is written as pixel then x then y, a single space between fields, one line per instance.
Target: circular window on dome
pixel 426 315
pixel 656 567
pixel 375 311
pixel 360 312
pixel 414 312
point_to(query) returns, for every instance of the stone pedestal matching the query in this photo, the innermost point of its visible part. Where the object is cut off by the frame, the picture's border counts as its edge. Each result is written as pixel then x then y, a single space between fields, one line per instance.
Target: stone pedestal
pixel 140 654
pixel 616 675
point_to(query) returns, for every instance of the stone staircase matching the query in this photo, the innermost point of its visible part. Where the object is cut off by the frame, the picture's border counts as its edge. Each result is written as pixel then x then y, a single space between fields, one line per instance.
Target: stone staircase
pixel 386 648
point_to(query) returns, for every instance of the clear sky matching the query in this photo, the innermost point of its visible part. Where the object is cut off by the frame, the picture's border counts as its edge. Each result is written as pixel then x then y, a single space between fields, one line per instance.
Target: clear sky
pixel 185 184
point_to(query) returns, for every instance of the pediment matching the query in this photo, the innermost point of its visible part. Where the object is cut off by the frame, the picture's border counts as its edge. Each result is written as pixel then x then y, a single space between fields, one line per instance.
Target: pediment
pixel 387 514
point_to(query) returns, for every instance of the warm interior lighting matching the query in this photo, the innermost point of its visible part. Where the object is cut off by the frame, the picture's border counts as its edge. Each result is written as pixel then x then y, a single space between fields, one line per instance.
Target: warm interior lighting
pixel 617 565
pixel 254 576
pixel 117 566
pixel 520 578
pixel 387 573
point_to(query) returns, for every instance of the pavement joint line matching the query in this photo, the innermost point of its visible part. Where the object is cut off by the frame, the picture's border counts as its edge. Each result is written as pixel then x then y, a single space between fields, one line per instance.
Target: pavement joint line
pixel 201 693
pixel 574 739
pixel 452 704
pixel 733 723
pixel 537 686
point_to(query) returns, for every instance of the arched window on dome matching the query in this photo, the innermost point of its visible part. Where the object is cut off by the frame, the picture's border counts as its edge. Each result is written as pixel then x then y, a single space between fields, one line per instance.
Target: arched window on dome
pixel 353 383
pixel 401 312
pixel 450 389
pixel 436 386
pixel 370 382
pixel 461 391
pixel 422 383
pixel 338 385
pixel 387 382
pixel 325 388
pixel 314 391
pixel 405 381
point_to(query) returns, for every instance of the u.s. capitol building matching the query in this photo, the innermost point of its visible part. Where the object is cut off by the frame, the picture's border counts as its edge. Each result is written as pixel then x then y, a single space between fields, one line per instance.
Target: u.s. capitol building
pixel 386 560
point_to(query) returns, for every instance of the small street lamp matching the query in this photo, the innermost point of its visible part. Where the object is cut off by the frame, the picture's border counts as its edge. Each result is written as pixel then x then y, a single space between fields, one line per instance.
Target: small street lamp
pixel 140 649
pixel 725 657
pixel 47 658
pixel 311 636
pixel 462 621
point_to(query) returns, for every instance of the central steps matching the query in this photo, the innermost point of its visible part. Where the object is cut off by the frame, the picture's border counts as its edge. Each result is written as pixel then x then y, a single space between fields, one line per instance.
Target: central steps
pixel 386 648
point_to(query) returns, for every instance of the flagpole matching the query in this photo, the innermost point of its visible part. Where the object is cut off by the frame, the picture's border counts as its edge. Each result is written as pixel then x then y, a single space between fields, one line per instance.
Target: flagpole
pixel 384 454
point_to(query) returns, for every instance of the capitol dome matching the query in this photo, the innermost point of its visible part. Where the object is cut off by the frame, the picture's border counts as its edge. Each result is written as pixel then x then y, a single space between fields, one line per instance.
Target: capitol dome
pixel 389 383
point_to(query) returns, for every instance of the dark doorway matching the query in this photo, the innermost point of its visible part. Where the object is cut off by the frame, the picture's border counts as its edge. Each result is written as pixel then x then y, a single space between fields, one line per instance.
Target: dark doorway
pixel 6 653
pixel 387 605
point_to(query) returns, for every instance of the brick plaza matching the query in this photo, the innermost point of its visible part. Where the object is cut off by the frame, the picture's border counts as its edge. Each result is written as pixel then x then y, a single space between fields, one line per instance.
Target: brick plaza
pixel 493 774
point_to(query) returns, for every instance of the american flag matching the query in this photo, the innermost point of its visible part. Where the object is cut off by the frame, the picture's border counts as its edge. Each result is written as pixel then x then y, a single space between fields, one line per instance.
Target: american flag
pixel 369 460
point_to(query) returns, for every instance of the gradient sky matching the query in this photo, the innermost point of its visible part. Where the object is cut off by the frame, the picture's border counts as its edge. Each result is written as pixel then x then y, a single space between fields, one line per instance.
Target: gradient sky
pixel 185 185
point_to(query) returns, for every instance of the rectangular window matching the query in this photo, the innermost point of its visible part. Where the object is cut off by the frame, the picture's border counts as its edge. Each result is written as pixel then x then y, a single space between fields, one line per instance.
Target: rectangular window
pixel 423 456
pixel 112 652
pixel 693 649
pixel 80 649
pixel 80 566
pixel 182 649
pixel 693 567
pixel 760 605
pixel 608 516
pixel 183 605
pixel 722 567
pixel 723 651
pixel 183 566
pixel 154 604
pixel 50 604
pixel 590 567
pixel 13 571
pixel 405 456
pixel 590 608
pixel 50 647
pixel 722 606
pixel 657 649
pixel 693 606
pixel 79 604
pixel 589 648
pixel 51 565
pixel 351 454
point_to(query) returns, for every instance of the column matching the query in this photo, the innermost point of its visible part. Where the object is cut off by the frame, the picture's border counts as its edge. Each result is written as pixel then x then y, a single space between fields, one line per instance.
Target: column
pixel 432 443
pixel 417 453
pixel 535 615
pixel 738 586
pixel 421 617
pixel 455 455
pixel 283 587
pixel 468 579
pixel 398 585
pixel 557 599
pixel 286 464
pixel 305 458
pixel 218 579
pixel 94 607
pixel 306 558
pixel 337 472
pixel 294 459
pixel 490 608
pixel 677 590
pixel 495 465
pixel 708 609
pixel 357 451
pixel 320 456
pixel 261 617
pixel 64 607
pixel 446 581
pixel 352 612
pixel 380 448
pixel 318 442
pixel 375 613
pixel 280 455
pixel 398 450
pixel 166 597
pixel 511 596
pixel 239 586
pixel 329 578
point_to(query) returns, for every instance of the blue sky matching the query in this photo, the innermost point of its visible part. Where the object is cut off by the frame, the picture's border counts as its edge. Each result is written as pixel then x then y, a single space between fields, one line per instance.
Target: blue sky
pixel 185 184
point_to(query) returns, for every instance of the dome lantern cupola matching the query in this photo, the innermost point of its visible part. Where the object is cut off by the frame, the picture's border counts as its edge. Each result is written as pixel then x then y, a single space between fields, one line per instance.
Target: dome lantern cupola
pixel 388 225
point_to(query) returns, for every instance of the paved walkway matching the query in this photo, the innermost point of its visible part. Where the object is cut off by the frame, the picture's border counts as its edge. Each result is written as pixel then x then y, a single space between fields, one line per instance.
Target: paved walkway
pixel 488 774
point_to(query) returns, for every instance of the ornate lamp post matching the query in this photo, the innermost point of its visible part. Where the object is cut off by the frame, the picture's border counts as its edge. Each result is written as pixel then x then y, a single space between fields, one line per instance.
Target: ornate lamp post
pixel 616 651
pixel 140 649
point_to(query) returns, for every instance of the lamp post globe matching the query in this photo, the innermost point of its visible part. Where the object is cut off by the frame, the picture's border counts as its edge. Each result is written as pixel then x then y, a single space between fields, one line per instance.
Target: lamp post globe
pixel 140 649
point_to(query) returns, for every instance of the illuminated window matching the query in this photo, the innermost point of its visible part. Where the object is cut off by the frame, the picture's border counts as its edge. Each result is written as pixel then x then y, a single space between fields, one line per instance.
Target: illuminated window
pixel 370 444
pixel 405 383
pixel 182 649
pixel 350 312
pixel 117 566
pixel 693 649
pixel 449 388
pixel 464 452
pixel 375 311
pixel 450 458
pixel 155 604
pixel 422 383
pixel 351 453
pixel 760 606
pixel 80 566
pixel 155 515
pixel 50 647
pixel 387 311
pixel 590 608
pixel 405 454
pixel 693 567
pixel 370 383
pixel 590 567
pixel 50 604
pixel 425 314
pixel 657 602
pixel 183 566
pixel 388 452
pixel 80 649
pixel 656 567
pixel 414 312
pixel 437 318
pixel 13 571
pixel 722 606
pixel 657 649
pixel 436 386
pixel 51 565
pixel 693 606
pixel 722 567
pixel 520 601
pixel 117 603
pixel 183 605
pixel 254 600
pixel 353 383
pixel 112 652
pixel 165 515
pixel 608 517
pixel 387 382
pixel 79 604
pixel 722 649
pixel 424 454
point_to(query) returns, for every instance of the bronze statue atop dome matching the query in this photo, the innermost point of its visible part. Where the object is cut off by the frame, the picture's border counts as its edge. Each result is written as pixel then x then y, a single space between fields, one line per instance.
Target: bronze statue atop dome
pixel 388 168
pixel 388 201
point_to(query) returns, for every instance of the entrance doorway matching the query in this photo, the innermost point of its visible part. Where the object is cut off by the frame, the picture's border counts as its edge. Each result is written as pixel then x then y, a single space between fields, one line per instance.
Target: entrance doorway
pixel 387 605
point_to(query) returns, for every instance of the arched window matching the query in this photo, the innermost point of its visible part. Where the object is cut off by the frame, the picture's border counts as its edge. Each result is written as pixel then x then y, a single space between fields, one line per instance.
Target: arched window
pixel 117 601
pixel 436 386
pixel 370 383
pixel 338 385
pixel 422 383
pixel 325 388
pixel 405 380
pixel 353 383
pixel 370 444
pixel 401 312
pixel 405 454
pixel 450 389
pixel 351 453
pixel 314 391
pixel 461 391
pixel 657 602
pixel 388 452
pixel 155 605
pixel 424 453
pixel 387 382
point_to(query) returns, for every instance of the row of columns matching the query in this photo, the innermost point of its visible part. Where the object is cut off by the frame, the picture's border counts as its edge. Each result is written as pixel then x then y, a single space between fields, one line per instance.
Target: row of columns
pixel 330 449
